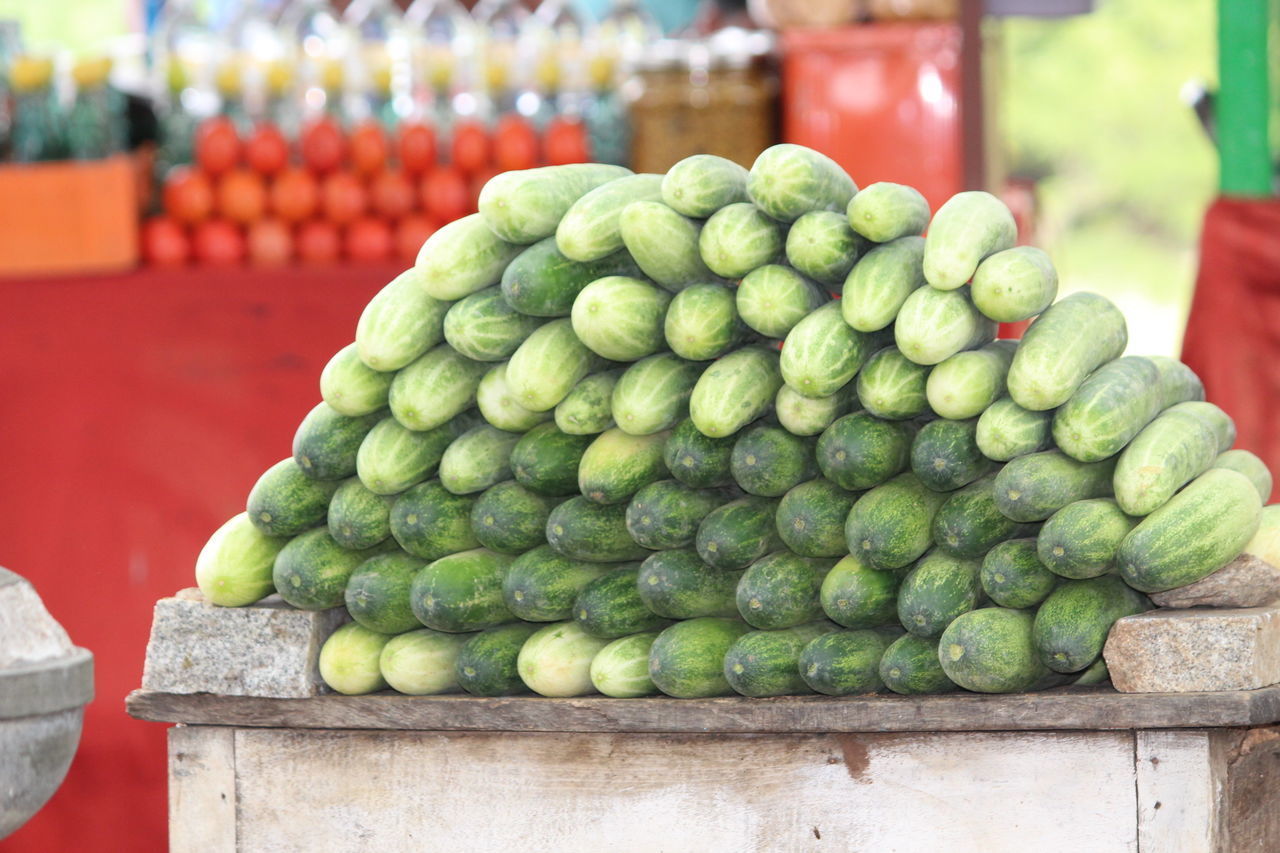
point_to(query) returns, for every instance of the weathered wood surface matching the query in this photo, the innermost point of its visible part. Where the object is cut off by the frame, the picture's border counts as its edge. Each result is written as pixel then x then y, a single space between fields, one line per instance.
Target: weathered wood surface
pixel 1098 708
pixel 202 790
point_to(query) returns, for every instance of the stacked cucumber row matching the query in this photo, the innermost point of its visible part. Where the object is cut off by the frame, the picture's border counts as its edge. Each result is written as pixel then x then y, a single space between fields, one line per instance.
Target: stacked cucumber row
pixel 723 431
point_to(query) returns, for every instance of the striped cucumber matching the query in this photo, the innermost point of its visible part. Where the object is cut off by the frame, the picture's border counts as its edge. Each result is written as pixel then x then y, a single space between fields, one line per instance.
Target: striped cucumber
pixel 589 229
pixel 885 211
pixel 1007 431
pixel 786 181
pixel 1015 285
pixel 822 352
pixel 463 257
pixel 933 325
pixel 664 244
pixel 527 205
pixel 1066 343
pixel 880 283
pixel 734 391
pixel 966 384
pixel 968 228
pixel 700 185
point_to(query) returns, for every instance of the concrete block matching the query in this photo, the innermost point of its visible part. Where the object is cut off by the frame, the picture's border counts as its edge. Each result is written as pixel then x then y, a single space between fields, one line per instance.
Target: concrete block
pixel 267 649
pixel 1247 581
pixel 28 634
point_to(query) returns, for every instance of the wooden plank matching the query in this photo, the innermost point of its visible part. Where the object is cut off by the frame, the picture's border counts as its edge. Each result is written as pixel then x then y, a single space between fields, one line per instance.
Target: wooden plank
pixel 322 791
pixel 202 790
pixel 1253 777
pixel 1181 777
pixel 1060 709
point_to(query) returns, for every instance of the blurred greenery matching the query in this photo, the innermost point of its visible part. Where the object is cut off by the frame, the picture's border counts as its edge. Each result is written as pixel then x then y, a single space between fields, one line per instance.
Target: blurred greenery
pixel 83 26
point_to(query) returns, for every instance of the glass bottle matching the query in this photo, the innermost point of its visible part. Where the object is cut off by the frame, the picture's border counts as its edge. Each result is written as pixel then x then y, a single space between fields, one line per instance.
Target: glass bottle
pixel 95 122
pixel 258 54
pixel 444 59
pixel 36 131
pixel 377 78
pixel 185 54
pixel 500 24
pixel 317 43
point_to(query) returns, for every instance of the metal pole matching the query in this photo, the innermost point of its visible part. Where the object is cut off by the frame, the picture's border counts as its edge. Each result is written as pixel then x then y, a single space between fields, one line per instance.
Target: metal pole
pixel 1242 101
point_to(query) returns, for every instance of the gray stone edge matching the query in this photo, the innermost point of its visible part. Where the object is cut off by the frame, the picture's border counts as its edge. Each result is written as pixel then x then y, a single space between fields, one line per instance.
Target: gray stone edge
pixel 48 686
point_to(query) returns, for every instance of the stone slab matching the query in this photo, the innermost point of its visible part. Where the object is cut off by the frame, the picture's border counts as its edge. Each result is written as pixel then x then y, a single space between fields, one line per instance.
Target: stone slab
pixel 1247 581
pixel 28 634
pixel 1196 650
pixel 268 649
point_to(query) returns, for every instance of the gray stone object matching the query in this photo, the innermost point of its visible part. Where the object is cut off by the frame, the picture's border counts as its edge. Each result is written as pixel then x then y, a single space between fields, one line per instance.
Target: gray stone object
pixel 45 682
pixel 268 649
pixel 1246 581
pixel 1184 651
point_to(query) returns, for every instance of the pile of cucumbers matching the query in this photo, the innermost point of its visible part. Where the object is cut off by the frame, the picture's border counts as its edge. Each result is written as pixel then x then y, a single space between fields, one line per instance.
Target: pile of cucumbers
pixel 727 430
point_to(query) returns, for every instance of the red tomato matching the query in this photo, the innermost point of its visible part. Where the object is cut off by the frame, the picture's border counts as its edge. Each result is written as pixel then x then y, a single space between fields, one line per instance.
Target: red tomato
pixel 469 149
pixel 188 195
pixel 164 242
pixel 270 243
pixel 445 194
pixel 416 144
pixel 217 242
pixel 411 233
pixel 565 141
pixel 319 242
pixel 295 195
pixel 391 194
pixel 267 151
pixel 478 180
pixel 369 148
pixel 342 198
pixel 515 144
pixel 242 196
pixel 217 145
pixel 323 146
pixel 368 240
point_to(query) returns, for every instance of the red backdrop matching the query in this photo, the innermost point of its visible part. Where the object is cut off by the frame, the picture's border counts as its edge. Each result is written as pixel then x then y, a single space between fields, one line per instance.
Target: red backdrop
pixel 136 412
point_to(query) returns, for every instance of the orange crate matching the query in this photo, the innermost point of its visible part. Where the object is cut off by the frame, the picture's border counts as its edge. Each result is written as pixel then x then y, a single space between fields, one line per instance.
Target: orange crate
pixel 69 216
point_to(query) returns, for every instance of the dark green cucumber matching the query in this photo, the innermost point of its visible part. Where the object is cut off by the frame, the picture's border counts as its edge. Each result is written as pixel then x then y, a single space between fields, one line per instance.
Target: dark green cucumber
pixel 358 518
pixel 910 666
pixel 1013 576
pixel 766 663
pixel 511 519
pixel 936 591
pixel 678 585
pixel 855 595
pixel 811 518
pixel 311 572
pixel 844 663
pixel 431 522
pixel 666 514
pixel 781 590
pixel 377 593
pixel 698 460
pixel 486 664
pixel 285 501
pixel 610 606
pixel 860 451
pixel 737 534
pixel 327 441
pixel 1072 624
pixel 687 659
pixel 1108 409
pixel 768 461
pixel 945 454
pixel 969 523
pixel 541 586
pixel 1035 486
pixel 461 592
pixel 616 465
pixel 892 386
pixel 892 525
pixel 545 460
pixel 1007 431
pixel 1080 540
pixel 992 651
pixel 542 282
pixel 584 530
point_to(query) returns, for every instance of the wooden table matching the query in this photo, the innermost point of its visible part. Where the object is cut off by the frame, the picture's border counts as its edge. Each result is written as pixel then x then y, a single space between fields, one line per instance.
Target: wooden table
pixel 1072 769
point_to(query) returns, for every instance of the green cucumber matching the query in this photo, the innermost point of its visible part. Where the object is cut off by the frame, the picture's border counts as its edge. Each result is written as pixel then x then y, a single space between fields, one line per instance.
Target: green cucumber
pixel 327 441
pixel 910 666
pixel 483 327
pixel 393 457
pixel 686 661
pixel 436 387
pixel 1072 624
pixel 945 454
pixel 1178 383
pixel 1080 540
pixel 1007 431
pixel 311 571
pixel 400 323
pixel 892 386
pixel 860 451
pixel 737 534
pixel 737 239
pixel 938 589
pixel 548 364
pixel 1108 409
pixel 772 299
pixel 486 663
pixel 933 325
pixel 969 523
pixel 556 660
pixel 462 257
pixel 1035 486
pixel 968 228
pixel 610 606
pixel 767 663
pixel 420 663
pixel 511 519
pixel 769 461
pixel 653 394
pixel 1167 454
pixel 589 230
pixel 991 650
pixel 234 566
pixel 620 318
pixel 821 245
pixel 1066 343
pixel 1248 464
pixel 461 592
pixel 801 415
pixel 377 593
pixel 542 282
pixel 780 590
pixel 702 322
pixel 616 465
pixel 880 283
pixel 541 586
pixel 703 183
pixel 1218 421
pixel 621 669
pixel 359 518
pixel 527 205
pixel 844 663
pixel 698 460
pixel 350 386
pixel 1015 285
pixel 678 585
pixel 822 353
pixel 1095 673
pixel 666 514
pixel 545 460
pixel 285 501
pixel 581 529
pixel 348 660
pixel 891 525
pixel 477 459
pixel 499 405
pixel 811 516
pixel 588 407
pixel 787 181
pixel 664 244
pixel 1013 576
pixel 855 595
pixel 430 522
pixel 966 384
pixel 884 211
pixel 734 391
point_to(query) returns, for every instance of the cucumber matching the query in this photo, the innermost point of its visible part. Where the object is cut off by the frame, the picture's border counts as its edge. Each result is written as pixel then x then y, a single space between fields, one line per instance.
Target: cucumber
pixel 359 518
pixel 1218 421
pixel 545 460
pixel 772 298
pixel 938 589
pixel 461 592
pixel 968 228
pixel 541 586
pixel 348 660
pixel 910 666
pixel 1080 540
pixel 621 669
pixel 1178 383
pixel 664 244
pixel 400 323
pixel 486 663
pixel 945 454
pixel 678 585
pixel 311 571
pixel 1265 544
pixel 620 318
pixel 285 501
pixel 436 387
pixel 801 415
pixel 547 365
pixel 1108 409
pixel 884 211
pixel 1168 453
pixel 542 282
pixel 933 325
pixel 1015 285
pixel 350 386
pixel 1096 673
pixel 1072 624
pixel 500 407
pixel 767 663
pixel 822 246
pixel 787 181
pixel 811 516
pixel 780 590
pixel 610 606
pixel 556 660
pixel 696 459
pixel 991 651
pixel 234 566
pixel 393 457
pixel 616 465
pixel 1013 576
pixel 1035 486
pixel 581 529
pixel 737 239
pixel 734 391
pixel 769 461
pixel 966 384
pixel 1066 343
pixel 969 523
pixel 737 534
pixel 1248 464
pixel 430 522
pixel 686 661
pixel 1007 431
pixel 477 459
pixel 844 663
pixel 510 519
pixel 702 322
pixel 326 442
pixel 377 593
pixel 420 663
pixel 892 386
pixel 700 185
pixel 855 595
pixel 483 327
pixel 666 514
pixel 589 229
pixel 527 205
pixel 822 353
pixel 860 451
pixel 588 407
pixel 880 283
pixel 891 525
pixel 462 257
pixel 653 394
pixel 1200 530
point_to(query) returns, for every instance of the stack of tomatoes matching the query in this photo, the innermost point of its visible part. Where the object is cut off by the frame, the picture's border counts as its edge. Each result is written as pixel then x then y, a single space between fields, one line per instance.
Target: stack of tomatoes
pixel 363 195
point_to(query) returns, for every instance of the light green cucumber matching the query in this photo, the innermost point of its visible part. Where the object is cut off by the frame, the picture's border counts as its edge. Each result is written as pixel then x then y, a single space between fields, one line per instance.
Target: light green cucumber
pixel 526 206
pixel 1251 466
pixel 420 663
pixel 968 228
pixel 801 415
pixel 547 365
pixel 616 465
pixel 621 669
pixel 1007 431
pixel 702 322
pixel 477 459
pixel 620 318
pixel 821 245
pixel 653 394
pixel 822 353
pixel 881 281
pixel 589 230
pixel 499 406
pixel 400 323
pixel 349 658
pixel 588 409
pixel 772 299
pixel 885 211
pixel 1015 285
pixel 392 457
pixel 892 386
pixel 234 566
pixel 966 384
pixel 700 185
pixel 440 384
pixel 664 244
pixel 933 325
pixel 463 257
pixel 787 181
pixel 1071 339
pixel 483 327
pixel 350 386
pixel 556 661
pixel 737 239
pixel 734 391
